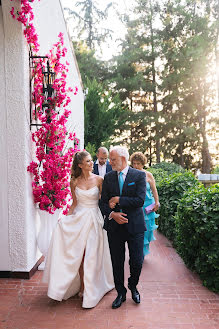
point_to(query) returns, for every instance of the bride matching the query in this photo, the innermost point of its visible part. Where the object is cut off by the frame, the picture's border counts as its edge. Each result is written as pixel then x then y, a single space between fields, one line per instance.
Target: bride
pixel 78 260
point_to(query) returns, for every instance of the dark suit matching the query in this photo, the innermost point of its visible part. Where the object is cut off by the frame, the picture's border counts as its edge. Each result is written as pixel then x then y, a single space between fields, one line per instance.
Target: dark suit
pixel 131 202
pixel 96 171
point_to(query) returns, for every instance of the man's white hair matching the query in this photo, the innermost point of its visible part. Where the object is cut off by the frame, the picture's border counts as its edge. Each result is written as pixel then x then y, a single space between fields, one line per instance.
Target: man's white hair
pixel 121 151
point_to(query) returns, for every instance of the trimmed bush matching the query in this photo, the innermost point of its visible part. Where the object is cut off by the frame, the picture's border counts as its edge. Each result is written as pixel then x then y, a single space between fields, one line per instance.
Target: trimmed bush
pixel 169 167
pixel 159 174
pixel 197 227
pixel 170 191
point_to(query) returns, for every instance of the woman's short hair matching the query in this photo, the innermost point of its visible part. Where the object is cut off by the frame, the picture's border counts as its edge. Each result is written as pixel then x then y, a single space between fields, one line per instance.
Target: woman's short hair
pixel 138 156
pixel 121 151
pixel 78 158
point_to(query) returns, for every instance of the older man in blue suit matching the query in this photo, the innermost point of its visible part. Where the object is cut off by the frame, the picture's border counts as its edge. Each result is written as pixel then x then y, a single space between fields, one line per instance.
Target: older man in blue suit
pixel 122 198
pixel 101 165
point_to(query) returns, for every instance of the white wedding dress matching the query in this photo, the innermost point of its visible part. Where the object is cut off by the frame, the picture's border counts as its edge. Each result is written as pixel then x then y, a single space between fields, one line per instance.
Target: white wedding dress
pixel 75 235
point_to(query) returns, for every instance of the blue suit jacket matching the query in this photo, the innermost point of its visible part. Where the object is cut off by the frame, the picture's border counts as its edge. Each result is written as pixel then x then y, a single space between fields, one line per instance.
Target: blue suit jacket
pixel 131 201
pixel 96 171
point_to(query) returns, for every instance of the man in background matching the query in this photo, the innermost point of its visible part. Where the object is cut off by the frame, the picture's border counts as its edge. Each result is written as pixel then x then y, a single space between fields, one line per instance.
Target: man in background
pixel 101 165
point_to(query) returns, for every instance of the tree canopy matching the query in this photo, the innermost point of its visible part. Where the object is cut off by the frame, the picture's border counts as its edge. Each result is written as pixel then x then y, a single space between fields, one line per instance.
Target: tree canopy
pixel 160 93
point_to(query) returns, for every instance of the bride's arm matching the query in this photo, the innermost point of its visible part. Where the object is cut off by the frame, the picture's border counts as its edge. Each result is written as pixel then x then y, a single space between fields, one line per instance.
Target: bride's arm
pixel 74 200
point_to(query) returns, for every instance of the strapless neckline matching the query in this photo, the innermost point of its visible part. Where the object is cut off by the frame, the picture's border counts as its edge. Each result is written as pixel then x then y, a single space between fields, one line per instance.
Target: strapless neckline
pixel 87 189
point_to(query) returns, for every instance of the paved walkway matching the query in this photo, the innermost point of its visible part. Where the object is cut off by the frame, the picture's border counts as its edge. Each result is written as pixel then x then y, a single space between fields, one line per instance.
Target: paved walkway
pixel 172 298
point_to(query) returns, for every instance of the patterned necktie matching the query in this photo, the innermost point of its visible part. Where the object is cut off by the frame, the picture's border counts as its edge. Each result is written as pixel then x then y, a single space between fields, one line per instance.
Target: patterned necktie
pixel 121 182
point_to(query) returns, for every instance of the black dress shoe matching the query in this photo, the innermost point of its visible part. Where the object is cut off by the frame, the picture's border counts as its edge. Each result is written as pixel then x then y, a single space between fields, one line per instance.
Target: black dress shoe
pixel 135 295
pixel 118 301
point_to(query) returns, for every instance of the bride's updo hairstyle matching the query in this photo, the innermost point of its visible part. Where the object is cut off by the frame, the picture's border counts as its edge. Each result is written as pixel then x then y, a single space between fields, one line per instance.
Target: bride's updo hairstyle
pixel 78 158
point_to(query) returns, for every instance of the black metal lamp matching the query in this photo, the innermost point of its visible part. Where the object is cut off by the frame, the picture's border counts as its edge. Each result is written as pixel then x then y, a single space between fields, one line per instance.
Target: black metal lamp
pixel 48 80
pixel 48 90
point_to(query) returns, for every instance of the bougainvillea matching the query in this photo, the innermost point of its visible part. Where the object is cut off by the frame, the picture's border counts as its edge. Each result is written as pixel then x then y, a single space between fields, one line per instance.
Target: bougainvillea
pixel 51 169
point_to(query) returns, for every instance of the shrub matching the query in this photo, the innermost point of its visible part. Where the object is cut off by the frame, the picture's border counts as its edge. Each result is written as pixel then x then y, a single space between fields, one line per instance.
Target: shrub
pixel 170 191
pixel 159 174
pixel 215 170
pixel 197 226
pixel 169 167
pixel 91 149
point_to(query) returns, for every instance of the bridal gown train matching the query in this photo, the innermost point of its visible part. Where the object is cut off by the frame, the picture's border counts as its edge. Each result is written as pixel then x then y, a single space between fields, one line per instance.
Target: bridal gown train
pixel 74 236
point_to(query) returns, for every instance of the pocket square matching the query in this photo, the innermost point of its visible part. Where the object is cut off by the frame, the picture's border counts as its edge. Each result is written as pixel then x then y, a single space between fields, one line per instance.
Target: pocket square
pixel 133 183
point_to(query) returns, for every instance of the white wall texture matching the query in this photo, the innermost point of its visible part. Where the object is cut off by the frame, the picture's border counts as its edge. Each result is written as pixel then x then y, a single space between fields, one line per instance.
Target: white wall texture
pixel 49 21
pixel 3 158
pixel 18 217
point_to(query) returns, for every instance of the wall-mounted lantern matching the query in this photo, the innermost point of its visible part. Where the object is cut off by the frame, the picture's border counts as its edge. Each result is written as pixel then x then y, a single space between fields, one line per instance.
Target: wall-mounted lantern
pixel 48 90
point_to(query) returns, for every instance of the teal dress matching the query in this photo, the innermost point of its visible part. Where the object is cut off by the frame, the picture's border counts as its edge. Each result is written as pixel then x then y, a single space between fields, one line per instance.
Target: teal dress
pixel 149 220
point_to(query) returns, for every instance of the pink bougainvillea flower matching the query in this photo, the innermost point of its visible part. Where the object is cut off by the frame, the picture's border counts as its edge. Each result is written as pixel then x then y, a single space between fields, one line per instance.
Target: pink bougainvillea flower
pixel 51 169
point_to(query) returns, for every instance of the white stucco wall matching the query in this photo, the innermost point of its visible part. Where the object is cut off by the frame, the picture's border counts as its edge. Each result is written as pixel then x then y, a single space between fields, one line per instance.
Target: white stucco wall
pixel 18 249
pixel 19 206
pixel 4 242
pixel 49 22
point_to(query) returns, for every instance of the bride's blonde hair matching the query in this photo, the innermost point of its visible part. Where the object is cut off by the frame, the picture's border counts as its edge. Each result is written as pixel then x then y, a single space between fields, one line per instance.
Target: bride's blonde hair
pixel 78 158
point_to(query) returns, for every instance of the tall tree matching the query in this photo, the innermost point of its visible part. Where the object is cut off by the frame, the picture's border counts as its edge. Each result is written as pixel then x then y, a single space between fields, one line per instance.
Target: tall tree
pixel 88 18
pixel 187 49
pixel 135 75
pixel 103 114
pixel 151 46
pixel 103 111
pixel 212 8
pixel 90 67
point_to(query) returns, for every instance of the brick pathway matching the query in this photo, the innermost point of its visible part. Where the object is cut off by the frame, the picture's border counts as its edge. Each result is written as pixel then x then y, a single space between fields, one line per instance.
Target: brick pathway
pixel 172 298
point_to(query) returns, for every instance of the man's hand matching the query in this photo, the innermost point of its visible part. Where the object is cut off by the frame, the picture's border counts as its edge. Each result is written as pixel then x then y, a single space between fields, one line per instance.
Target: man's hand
pixel 119 217
pixel 113 201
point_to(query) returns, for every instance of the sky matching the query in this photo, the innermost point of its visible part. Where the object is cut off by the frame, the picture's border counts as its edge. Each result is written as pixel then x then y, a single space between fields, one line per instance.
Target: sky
pixel 112 23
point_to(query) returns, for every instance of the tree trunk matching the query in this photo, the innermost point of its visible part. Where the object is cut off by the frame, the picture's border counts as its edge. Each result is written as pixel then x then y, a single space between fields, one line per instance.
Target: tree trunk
pixel 150 154
pixel 157 138
pixel 132 133
pixel 217 62
pixel 206 157
pixel 181 160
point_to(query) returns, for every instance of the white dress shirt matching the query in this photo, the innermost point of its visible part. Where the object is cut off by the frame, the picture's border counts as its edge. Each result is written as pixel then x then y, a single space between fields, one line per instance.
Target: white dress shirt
pixel 124 173
pixel 101 169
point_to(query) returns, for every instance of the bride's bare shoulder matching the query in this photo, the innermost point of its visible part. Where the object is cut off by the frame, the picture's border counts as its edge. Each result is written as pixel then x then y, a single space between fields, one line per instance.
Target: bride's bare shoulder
pixel 97 177
pixel 98 180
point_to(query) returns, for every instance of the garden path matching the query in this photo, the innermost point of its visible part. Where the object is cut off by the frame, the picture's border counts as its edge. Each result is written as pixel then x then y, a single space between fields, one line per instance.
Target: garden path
pixel 171 298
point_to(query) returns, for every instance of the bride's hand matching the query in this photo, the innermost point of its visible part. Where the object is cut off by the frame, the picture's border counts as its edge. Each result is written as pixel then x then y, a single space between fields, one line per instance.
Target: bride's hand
pixel 112 204
pixel 113 201
pixel 70 212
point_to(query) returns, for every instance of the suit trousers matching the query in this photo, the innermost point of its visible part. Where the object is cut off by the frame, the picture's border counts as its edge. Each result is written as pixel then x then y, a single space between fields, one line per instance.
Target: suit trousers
pixel 117 240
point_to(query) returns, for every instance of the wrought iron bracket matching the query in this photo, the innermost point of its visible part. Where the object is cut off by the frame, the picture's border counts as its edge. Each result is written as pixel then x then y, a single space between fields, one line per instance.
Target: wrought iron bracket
pixel 47 89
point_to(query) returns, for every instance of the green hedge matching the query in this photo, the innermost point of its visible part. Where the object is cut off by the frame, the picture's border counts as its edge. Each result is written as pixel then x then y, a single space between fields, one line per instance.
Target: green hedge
pixel 197 233
pixel 168 167
pixel 171 190
pixel 159 174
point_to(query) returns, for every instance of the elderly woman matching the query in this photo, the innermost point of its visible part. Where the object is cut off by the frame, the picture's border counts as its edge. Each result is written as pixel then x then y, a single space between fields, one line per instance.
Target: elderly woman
pixel 138 161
